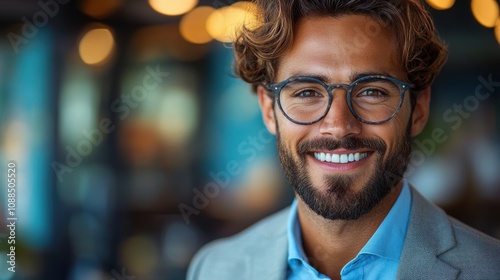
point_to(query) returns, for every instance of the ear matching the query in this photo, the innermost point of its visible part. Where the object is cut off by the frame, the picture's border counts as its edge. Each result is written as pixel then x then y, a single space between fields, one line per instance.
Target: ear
pixel 421 111
pixel 267 109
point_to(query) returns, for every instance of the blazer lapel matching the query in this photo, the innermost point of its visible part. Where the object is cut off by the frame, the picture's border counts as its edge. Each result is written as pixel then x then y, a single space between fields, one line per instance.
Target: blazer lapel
pixel 272 264
pixel 429 235
pixel 268 257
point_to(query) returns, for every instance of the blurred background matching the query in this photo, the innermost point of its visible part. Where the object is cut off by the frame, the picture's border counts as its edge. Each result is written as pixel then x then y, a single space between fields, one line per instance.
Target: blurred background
pixel 134 143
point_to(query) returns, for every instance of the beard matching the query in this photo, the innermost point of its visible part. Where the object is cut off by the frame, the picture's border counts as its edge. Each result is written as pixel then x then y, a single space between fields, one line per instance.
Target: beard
pixel 340 201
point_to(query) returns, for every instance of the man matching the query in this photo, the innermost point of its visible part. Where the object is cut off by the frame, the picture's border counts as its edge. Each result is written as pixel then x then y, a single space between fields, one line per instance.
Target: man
pixel 345 85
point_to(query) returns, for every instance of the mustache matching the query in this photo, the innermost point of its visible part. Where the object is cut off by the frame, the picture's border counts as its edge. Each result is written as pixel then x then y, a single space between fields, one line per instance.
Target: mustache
pixel 350 143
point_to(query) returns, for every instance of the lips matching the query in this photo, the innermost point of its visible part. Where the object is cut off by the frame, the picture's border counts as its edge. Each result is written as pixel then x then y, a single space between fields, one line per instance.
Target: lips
pixel 340 157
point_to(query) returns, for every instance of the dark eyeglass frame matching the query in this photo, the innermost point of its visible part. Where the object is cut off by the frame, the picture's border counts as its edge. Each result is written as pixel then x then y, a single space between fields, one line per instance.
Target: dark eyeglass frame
pixel 402 85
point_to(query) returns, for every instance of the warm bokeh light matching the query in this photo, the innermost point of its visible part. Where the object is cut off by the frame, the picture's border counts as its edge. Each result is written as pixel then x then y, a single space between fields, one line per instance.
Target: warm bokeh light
pixel 497 30
pixel 224 23
pixel 215 25
pixel 485 12
pixel 173 7
pixel 441 4
pixel 96 46
pixel 193 25
pixel 252 10
pixel 99 8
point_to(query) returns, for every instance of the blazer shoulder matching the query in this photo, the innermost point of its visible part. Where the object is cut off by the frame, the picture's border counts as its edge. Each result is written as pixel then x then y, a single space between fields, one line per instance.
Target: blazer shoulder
pixel 440 247
pixel 232 253
pixel 477 243
pixel 476 254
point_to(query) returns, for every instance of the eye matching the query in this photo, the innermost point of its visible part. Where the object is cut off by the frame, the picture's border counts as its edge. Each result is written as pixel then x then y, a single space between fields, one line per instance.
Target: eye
pixel 307 93
pixel 372 92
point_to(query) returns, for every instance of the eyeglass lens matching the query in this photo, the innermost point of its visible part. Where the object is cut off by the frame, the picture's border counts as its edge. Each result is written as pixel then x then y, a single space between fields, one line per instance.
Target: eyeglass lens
pixel 373 100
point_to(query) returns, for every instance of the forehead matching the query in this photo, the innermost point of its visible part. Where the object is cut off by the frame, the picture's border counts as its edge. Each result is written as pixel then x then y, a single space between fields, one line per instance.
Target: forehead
pixel 340 48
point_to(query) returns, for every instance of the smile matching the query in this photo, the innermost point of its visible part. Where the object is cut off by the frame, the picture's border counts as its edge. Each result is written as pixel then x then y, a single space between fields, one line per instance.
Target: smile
pixel 340 158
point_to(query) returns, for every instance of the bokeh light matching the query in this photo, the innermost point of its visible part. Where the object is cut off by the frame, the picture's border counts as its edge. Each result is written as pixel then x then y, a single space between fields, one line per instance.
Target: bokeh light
pixel 223 24
pixel 441 4
pixel 97 46
pixel 485 12
pixel 173 8
pixel 193 25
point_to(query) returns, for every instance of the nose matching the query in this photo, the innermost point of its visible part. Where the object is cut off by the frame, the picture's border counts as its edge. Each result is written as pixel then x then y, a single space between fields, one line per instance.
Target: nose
pixel 339 122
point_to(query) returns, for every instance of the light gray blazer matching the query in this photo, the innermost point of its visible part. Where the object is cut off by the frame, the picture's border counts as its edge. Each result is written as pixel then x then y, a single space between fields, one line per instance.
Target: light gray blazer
pixel 436 247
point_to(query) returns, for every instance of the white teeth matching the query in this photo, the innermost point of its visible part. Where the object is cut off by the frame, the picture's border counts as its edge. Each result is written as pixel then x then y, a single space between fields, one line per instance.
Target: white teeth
pixel 340 158
pixel 335 158
pixel 343 158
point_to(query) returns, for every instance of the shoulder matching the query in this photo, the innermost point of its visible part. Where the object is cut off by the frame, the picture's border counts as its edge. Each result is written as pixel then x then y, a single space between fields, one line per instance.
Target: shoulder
pixel 475 244
pixel 235 252
pixel 269 227
pixel 476 254
pixel 463 235
pixel 433 235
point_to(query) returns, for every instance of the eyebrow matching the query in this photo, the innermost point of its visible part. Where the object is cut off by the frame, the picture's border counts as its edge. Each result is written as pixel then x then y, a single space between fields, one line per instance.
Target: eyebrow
pixel 354 76
pixel 357 75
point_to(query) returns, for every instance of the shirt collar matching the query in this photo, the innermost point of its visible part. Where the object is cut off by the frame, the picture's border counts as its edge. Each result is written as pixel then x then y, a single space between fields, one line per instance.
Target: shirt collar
pixel 392 228
pixel 388 239
pixel 295 249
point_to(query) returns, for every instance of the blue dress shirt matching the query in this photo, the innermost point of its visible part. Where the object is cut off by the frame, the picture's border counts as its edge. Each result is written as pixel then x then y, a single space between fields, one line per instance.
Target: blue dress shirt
pixel 378 259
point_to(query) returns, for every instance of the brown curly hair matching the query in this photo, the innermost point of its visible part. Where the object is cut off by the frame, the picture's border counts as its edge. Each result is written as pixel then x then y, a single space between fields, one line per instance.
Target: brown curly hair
pixel 258 51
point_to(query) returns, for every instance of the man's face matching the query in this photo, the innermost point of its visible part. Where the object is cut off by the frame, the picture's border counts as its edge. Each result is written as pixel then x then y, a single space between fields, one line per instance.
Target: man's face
pixel 338 49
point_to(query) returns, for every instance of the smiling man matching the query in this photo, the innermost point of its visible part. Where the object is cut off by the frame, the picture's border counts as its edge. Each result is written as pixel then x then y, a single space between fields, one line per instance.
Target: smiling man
pixel 345 85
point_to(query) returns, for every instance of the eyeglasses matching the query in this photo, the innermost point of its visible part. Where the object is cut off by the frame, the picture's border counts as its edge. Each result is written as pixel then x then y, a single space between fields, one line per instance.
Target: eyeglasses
pixel 373 99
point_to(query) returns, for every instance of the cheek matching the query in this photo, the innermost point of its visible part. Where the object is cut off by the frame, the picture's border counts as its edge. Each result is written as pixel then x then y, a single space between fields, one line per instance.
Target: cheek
pixel 292 134
pixel 394 131
pixel 398 124
pixel 391 132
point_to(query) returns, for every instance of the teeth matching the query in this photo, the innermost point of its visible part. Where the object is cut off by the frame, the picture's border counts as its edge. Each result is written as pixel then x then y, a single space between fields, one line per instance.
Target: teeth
pixel 343 158
pixel 335 158
pixel 340 158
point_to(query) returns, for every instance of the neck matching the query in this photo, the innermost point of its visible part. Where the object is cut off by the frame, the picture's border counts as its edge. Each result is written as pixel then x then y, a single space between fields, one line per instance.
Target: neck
pixel 331 244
